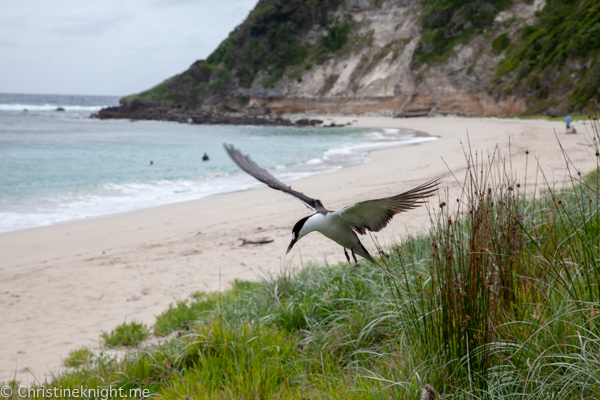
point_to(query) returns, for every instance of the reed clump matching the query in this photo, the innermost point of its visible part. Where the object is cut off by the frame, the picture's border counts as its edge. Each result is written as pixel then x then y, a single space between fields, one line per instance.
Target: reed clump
pixel 506 302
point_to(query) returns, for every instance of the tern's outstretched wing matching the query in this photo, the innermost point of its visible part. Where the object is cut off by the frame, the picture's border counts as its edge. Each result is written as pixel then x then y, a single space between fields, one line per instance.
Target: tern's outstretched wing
pixel 374 215
pixel 249 166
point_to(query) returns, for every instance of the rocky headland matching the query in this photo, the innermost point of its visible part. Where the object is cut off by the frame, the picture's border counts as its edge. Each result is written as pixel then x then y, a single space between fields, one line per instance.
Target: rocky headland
pixel 397 57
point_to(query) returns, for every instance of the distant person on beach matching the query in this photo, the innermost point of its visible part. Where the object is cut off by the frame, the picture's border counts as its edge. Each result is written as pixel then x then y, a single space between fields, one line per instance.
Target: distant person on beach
pixel 570 127
pixel 205 157
pixel 151 163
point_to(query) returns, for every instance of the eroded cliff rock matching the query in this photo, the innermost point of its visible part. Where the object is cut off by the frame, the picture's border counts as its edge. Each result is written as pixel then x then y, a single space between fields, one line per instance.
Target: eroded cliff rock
pixel 376 73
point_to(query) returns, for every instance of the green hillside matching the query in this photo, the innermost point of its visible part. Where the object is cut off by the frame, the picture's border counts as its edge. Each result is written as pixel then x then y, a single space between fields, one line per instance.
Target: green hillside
pixel 267 42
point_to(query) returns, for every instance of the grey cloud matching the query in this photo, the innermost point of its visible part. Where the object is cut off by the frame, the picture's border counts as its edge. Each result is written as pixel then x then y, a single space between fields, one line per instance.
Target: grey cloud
pixel 88 18
pixel 110 46
pixel 77 26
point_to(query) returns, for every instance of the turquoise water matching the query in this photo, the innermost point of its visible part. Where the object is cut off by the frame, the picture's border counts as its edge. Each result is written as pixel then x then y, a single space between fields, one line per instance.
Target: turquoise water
pixel 63 166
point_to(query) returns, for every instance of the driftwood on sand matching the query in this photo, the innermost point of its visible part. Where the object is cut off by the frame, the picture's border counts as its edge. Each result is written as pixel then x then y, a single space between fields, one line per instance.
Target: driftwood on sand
pixel 259 241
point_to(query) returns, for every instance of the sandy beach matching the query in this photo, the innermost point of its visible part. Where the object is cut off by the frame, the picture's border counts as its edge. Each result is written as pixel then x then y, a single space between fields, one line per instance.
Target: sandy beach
pixel 63 285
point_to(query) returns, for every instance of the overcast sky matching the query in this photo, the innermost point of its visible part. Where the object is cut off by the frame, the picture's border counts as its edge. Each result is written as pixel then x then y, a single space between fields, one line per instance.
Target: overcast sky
pixel 107 47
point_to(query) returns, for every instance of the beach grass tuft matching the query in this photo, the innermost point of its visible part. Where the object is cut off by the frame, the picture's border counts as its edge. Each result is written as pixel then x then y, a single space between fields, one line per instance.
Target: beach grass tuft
pixel 126 334
pixel 78 357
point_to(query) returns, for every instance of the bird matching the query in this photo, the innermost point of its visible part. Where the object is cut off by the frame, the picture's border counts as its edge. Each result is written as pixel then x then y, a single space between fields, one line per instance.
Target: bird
pixel 343 225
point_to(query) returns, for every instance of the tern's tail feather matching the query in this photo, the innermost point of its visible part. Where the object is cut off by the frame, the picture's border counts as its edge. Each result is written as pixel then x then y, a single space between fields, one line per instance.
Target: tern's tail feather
pixel 361 251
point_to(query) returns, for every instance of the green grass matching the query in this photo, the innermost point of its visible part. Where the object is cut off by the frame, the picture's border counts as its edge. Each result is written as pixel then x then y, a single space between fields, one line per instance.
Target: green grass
pixel 187 313
pixel 500 299
pixel 78 357
pixel 179 316
pixel 126 334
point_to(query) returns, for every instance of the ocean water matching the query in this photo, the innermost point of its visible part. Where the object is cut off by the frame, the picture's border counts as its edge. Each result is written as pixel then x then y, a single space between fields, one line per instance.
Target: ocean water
pixel 59 166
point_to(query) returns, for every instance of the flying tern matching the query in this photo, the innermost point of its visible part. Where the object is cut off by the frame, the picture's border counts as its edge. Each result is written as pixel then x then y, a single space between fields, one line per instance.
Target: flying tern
pixel 340 226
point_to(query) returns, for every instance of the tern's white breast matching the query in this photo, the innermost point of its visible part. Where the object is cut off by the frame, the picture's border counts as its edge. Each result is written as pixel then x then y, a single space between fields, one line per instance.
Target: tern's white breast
pixel 330 226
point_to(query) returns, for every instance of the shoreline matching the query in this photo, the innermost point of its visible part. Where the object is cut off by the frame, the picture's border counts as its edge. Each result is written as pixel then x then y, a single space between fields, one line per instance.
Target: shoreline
pixel 65 284
pixel 356 154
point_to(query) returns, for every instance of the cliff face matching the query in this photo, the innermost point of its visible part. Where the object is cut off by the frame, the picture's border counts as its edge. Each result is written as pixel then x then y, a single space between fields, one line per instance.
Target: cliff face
pixel 376 73
pixel 403 57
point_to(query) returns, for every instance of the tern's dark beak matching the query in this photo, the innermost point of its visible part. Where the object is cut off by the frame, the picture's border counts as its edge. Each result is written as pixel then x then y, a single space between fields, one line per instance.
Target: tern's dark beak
pixel 291 245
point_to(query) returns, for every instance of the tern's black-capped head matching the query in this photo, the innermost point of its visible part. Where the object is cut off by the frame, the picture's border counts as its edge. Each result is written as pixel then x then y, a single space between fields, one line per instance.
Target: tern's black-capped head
pixel 296 233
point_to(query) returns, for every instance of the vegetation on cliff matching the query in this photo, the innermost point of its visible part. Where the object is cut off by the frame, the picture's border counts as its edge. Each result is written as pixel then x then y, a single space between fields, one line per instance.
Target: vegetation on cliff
pixel 556 62
pixel 447 22
pixel 270 40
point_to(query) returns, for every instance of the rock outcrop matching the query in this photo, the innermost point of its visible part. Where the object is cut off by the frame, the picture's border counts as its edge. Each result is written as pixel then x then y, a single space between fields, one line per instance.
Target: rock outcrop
pixel 165 112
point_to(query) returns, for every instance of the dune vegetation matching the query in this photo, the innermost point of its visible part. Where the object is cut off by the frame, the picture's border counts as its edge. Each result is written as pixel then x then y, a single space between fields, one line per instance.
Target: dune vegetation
pixel 500 299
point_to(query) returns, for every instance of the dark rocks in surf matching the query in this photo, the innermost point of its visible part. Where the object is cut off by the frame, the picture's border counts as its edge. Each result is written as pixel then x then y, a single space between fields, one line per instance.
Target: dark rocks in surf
pixel 140 110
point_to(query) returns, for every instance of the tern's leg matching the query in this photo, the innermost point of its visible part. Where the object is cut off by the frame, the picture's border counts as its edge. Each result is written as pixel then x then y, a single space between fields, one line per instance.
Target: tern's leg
pixel 354 256
pixel 355 266
pixel 347 256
